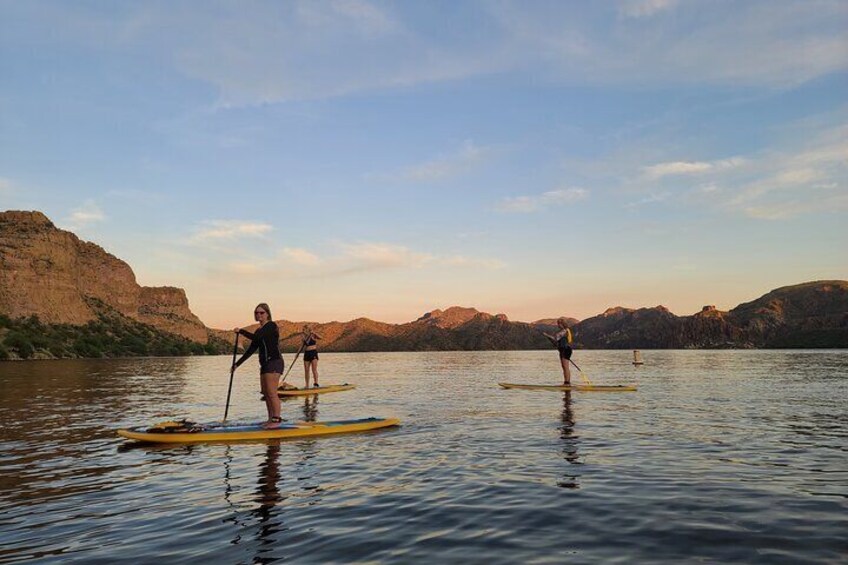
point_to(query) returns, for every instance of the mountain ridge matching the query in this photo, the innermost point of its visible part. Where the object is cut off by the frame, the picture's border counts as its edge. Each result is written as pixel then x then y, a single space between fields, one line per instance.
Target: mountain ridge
pixel 50 276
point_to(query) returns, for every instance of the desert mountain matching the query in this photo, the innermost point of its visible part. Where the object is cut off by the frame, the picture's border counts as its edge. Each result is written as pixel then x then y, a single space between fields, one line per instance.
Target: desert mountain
pixel 813 314
pixel 51 274
pixel 453 329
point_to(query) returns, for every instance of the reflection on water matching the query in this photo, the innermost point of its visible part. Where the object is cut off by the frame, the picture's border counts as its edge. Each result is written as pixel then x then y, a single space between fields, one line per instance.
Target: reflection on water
pixel 310 408
pixel 720 457
pixel 268 497
pixel 570 442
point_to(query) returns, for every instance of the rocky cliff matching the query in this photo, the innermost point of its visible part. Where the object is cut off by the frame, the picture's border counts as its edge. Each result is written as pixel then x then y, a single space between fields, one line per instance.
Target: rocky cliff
pixel 454 329
pixel 52 274
pixel 813 314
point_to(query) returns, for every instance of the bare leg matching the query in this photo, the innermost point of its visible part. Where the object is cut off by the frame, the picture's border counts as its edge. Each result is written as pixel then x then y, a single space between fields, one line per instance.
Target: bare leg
pixel 265 394
pixel 270 382
pixel 315 372
pixel 566 371
pixel 306 373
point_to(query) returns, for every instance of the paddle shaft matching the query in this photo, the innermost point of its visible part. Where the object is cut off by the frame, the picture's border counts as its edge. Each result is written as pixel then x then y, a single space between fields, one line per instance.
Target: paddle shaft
pixel 292 363
pixel 582 374
pixel 232 372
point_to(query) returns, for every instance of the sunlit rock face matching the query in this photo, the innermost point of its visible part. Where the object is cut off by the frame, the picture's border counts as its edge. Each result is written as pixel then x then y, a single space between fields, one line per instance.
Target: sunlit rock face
pixel 51 273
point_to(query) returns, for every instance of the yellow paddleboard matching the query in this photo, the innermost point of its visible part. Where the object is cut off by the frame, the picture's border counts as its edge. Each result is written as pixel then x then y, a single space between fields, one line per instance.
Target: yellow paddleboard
pixel 314 390
pixel 578 388
pixel 187 432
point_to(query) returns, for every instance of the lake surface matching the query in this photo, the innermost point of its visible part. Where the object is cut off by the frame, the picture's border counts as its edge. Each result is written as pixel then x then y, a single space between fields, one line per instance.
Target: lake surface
pixel 721 456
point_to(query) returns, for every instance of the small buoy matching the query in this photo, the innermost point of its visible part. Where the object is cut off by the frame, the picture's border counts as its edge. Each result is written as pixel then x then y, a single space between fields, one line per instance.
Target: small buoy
pixel 637 357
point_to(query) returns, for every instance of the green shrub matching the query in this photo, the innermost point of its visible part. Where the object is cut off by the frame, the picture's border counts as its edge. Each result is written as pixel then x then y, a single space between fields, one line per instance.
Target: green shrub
pixel 134 345
pixel 20 343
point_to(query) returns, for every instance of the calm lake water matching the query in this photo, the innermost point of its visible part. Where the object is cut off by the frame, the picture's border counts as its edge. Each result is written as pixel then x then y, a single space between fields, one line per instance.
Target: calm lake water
pixel 720 456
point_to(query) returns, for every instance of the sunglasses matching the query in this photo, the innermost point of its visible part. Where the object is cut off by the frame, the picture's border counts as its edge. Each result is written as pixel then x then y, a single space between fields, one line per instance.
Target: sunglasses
pixel 260 312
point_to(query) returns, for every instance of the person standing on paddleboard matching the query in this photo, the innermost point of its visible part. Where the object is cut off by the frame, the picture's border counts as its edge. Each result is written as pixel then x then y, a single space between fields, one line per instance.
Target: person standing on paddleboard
pixel 267 341
pixel 310 355
pixel 562 340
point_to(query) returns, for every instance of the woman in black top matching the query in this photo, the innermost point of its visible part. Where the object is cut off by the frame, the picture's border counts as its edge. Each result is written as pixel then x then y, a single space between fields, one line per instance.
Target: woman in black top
pixel 310 355
pixel 266 340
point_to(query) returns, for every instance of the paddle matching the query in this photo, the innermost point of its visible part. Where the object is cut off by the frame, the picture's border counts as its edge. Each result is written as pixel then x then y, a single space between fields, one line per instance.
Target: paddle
pixel 232 371
pixel 292 363
pixel 581 372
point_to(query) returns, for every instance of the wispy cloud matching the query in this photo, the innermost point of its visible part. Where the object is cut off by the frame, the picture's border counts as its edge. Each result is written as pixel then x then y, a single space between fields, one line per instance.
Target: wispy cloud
pixel 442 167
pixel 690 167
pixel 137 196
pixel 282 51
pixel 812 178
pixel 791 208
pixel 243 268
pixel 463 261
pixel 349 258
pixel 217 230
pixel 806 173
pixel 362 17
pixel 300 256
pixel 526 204
pixel 652 198
pixel 84 216
pixel 365 256
pixel 645 8
pixel 761 43
pixel 382 255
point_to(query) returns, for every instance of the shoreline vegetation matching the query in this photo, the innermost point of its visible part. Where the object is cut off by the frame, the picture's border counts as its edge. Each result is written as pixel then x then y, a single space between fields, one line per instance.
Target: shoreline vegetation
pixel 109 336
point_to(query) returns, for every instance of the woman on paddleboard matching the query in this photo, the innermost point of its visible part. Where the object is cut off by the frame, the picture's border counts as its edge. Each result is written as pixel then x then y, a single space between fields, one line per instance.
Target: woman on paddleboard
pixel 562 340
pixel 267 341
pixel 310 355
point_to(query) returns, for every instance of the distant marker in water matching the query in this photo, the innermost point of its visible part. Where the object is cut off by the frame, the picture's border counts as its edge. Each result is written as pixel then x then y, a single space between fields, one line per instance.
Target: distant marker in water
pixel 637 357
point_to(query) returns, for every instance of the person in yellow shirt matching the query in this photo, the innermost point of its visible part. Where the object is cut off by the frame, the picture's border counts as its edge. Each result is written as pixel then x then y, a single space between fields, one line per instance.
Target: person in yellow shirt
pixel 562 340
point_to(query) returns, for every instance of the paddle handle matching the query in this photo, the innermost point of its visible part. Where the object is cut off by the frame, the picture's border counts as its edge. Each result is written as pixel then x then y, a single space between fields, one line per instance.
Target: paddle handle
pixel 232 372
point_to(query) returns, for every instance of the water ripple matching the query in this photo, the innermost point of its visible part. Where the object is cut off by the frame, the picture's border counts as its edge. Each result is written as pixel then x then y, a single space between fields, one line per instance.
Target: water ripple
pixel 720 457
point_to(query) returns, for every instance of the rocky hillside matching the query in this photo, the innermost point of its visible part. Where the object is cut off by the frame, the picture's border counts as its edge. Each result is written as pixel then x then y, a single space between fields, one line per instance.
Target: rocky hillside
pixel 813 314
pixel 53 282
pixel 52 274
pixel 456 328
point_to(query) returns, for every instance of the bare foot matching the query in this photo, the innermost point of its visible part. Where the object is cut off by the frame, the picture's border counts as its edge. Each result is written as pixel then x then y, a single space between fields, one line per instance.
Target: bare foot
pixel 273 423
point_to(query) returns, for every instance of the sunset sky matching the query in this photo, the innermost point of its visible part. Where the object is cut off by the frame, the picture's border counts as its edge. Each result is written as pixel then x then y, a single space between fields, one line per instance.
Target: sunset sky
pixel 348 158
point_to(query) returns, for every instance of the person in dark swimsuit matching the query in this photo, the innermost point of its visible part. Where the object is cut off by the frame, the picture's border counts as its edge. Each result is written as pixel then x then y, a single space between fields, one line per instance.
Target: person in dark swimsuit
pixel 266 340
pixel 310 355
pixel 562 340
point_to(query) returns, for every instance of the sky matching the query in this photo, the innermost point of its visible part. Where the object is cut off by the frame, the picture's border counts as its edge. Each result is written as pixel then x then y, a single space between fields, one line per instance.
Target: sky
pixel 352 158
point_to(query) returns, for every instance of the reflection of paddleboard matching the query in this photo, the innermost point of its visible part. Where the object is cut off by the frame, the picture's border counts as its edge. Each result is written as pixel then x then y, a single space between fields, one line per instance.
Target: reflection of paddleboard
pixel 187 432
pixel 314 390
pixel 578 388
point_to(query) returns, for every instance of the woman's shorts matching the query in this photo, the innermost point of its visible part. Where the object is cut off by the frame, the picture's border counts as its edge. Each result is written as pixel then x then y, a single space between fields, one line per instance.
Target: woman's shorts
pixel 310 356
pixel 271 366
pixel 565 352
